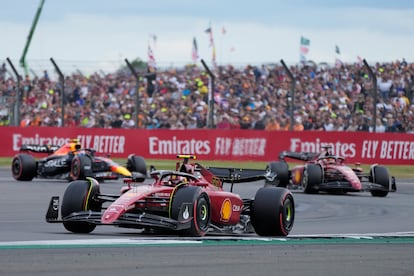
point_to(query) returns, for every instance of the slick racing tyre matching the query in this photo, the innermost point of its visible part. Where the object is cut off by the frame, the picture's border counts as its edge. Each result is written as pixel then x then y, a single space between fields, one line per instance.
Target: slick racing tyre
pixel 281 170
pixel 23 167
pixel 80 167
pixel 136 164
pixel 311 178
pixel 80 196
pixel 380 176
pixel 192 203
pixel 273 211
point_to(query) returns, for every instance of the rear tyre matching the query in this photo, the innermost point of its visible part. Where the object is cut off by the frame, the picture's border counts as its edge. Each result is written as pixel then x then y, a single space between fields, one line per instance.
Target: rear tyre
pixel 381 176
pixel 273 211
pixel 23 167
pixel 192 203
pixel 281 169
pixel 79 196
pixel 311 178
pixel 137 164
pixel 80 166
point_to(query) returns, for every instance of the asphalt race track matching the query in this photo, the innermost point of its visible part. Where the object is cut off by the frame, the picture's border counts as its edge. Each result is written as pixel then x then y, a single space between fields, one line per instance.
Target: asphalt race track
pixel 352 234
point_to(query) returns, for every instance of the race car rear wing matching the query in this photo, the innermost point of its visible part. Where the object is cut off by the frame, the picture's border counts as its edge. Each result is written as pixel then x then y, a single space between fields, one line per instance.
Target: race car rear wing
pixel 238 175
pixel 303 156
pixel 39 148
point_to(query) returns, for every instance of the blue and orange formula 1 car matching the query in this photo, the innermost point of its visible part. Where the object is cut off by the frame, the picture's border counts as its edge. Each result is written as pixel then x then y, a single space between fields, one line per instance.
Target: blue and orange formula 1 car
pixel 329 173
pixel 71 162
pixel 188 201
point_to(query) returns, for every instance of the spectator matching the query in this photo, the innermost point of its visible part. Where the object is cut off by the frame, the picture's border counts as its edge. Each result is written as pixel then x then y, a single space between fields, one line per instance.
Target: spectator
pixel 353 125
pixel 128 121
pixel 362 124
pixel 384 85
pixel 245 122
pixel 224 122
pixel 329 124
pixel 379 127
pixel 272 124
pixel 151 76
pixel 26 121
pixel 326 98
pixel 298 126
pixel 308 123
pixel 390 127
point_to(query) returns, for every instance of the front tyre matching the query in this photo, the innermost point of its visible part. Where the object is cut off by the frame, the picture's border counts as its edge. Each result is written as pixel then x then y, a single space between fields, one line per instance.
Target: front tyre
pixel 273 211
pixel 192 203
pixel 79 196
pixel 311 178
pixel 136 164
pixel 80 167
pixel 23 167
pixel 380 176
pixel 281 172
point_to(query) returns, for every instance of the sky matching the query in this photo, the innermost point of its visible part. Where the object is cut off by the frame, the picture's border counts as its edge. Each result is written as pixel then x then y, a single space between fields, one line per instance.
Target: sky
pixel 91 34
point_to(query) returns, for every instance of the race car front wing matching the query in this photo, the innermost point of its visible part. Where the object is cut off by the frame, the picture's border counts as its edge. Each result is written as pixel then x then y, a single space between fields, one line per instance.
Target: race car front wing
pixel 128 220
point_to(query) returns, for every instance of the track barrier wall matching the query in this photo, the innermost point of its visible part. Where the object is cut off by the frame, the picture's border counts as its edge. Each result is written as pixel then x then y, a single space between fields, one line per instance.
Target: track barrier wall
pixel 226 145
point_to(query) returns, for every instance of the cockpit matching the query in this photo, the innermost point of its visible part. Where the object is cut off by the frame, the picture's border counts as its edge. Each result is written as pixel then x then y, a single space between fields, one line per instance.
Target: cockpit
pixel 331 159
pixel 72 146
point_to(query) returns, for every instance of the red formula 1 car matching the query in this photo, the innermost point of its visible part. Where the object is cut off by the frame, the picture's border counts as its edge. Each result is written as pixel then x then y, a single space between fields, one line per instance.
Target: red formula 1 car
pixel 71 162
pixel 329 173
pixel 189 201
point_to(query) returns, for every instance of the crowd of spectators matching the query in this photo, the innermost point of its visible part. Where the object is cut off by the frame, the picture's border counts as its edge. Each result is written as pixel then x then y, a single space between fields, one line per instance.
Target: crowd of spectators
pixel 329 98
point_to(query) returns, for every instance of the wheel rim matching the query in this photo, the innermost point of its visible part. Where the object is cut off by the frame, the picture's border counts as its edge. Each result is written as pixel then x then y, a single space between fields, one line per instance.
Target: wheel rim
pixel 202 213
pixel 288 213
pixel 305 179
pixel 16 167
pixel 75 168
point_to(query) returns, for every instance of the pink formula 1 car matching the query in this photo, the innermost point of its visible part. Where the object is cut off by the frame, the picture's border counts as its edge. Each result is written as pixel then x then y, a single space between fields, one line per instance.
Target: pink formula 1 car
pixel 328 173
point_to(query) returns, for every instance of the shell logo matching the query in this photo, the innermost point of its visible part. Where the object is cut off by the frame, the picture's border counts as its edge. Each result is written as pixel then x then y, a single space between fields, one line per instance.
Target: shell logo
pixel 226 210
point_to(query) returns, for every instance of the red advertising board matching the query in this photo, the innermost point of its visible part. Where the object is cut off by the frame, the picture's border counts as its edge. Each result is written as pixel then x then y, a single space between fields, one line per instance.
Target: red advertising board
pixel 236 145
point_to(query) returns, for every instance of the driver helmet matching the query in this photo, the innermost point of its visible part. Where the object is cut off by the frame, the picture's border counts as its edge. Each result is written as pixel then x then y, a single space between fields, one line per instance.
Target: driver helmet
pixel 74 144
pixel 176 179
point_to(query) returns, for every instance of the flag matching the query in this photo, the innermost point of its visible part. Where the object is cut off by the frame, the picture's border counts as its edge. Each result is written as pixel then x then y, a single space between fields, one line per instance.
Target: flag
pixel 213 55
pixel 154 39
pixel 304 41
pixel 337 50
pixel 194 55
pixel 151 58
pixel 304 48
pixel 338 63
pixel 360 61
pixel 304 45
pixel 209 30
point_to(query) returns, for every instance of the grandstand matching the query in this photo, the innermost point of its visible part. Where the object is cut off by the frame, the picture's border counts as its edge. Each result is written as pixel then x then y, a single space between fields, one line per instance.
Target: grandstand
pixel 327 97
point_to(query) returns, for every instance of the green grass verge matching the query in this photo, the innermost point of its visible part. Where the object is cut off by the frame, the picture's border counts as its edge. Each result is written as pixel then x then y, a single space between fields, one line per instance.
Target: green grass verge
pixel 397 171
